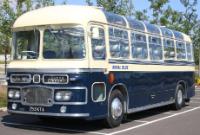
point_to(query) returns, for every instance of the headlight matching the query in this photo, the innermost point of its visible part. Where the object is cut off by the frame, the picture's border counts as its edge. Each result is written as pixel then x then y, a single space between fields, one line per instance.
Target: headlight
pixel 17 94
pixel 10 93
pixel 63 95
pixel 14 94
pixel 67 96
pixel 58 96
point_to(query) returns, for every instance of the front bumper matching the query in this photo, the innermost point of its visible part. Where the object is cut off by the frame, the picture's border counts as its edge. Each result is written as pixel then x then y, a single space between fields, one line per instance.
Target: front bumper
pixel 71 111
pixel 50 114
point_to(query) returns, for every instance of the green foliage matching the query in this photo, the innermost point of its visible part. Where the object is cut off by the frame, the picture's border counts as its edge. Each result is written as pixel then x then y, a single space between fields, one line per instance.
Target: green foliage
pixel 197 79
pixel 141 15
pixel 3 96
pixel 10 10
pixel 43 3
pixel 8 13
pixel 196 41
pixel 157 8
pixel 89 2
pixel 122 7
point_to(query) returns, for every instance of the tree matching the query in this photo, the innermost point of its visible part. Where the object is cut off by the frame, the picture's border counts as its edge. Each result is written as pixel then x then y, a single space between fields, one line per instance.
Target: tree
pixel 190 25
pixel 122 7
pixel 157 7
pixel 189 17
pixel 141 15
pixel 43 3
pixel 8 14
pixel 10 10
pixel 89 2
pixel 196 41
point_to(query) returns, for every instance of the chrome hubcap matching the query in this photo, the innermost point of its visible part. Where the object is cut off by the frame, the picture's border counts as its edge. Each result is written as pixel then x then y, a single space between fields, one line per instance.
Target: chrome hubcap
pixel 116 108
pixel 180 97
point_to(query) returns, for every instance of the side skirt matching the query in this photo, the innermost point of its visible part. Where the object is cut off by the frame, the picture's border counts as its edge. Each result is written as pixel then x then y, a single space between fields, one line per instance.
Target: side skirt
pixel 138 109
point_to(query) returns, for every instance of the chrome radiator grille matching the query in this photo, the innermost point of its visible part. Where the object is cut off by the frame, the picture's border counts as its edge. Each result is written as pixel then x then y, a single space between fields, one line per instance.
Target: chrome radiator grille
pixel 37 96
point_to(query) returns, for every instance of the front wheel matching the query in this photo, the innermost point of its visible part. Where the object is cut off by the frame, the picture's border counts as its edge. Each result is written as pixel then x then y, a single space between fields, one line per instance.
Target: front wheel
pixel 179 98
pixel 115 110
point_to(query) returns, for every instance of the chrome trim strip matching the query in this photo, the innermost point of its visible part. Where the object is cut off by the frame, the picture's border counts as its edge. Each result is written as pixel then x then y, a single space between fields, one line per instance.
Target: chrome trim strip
pixel 55 75
pixel 34 78
pixel 138 109
pixel 52 114
pixel 56 70
pixel 92 92
pixel 29 80
pixel 14 101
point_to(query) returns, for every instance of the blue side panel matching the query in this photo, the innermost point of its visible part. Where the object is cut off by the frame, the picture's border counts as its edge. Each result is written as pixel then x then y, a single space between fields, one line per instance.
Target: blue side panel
pixel 145 88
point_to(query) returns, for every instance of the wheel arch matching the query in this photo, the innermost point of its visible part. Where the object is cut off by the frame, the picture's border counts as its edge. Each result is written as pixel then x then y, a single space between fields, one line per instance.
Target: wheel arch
pixel 184 84
pixel 123 89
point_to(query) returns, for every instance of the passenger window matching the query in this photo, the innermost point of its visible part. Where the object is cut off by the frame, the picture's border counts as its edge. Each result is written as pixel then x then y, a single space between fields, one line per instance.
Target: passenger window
pixel 139 46
pixel 180 50
pixel 169 51
pixel 189 52
pixel 118 40
pixel 98 43
pixel 155 48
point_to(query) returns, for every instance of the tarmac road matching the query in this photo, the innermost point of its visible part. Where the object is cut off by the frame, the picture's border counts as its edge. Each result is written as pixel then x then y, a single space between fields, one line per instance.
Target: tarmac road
pixel 159 121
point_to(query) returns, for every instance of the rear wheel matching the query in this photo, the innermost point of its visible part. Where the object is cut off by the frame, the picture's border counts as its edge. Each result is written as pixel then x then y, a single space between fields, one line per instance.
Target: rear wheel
pixel 179 98
pixel 115 110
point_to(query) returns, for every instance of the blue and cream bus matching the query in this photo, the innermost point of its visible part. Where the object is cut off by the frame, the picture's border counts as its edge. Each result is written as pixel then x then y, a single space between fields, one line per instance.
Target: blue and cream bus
pixel 84 62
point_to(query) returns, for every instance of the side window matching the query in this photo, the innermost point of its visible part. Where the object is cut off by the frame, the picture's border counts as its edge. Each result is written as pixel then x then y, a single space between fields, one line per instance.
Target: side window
pixel 155 48
pixel 169 50
pixel 118 40
pixel 98 43
pixel 139 46
pixel 189 51
pixel 180 50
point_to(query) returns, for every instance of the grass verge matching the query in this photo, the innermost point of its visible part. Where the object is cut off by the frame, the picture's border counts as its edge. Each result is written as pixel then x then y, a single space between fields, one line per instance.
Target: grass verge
pixel 3 96
pixel 2 62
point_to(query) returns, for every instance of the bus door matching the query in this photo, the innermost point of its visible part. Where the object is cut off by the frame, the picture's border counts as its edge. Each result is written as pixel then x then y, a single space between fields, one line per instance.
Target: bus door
pixel 98 65
pixel 97 49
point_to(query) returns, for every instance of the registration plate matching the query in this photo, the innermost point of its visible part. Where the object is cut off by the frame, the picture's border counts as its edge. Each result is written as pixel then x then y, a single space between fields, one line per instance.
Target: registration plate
pixel 36 109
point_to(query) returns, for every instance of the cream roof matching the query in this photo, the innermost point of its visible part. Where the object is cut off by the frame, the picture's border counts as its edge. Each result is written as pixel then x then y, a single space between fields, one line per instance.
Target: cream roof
pixel 60 15
pixel 65 14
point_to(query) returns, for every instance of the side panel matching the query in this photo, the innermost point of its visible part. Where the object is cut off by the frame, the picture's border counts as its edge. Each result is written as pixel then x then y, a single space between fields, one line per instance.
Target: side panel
pixel 148 88
pixel 152 84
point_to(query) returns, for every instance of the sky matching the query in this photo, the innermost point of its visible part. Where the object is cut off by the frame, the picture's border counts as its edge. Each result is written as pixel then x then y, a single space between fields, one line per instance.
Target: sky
pixel 138 4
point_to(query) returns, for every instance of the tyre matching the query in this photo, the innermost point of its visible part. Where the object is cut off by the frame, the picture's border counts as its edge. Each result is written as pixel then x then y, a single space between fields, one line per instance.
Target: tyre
pixel 179 98
pixel 115 110
pixel 187 100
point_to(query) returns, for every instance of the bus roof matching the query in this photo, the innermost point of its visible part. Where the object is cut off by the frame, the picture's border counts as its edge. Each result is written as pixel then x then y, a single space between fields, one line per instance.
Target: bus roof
pixel 65 14
pixel 60 15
